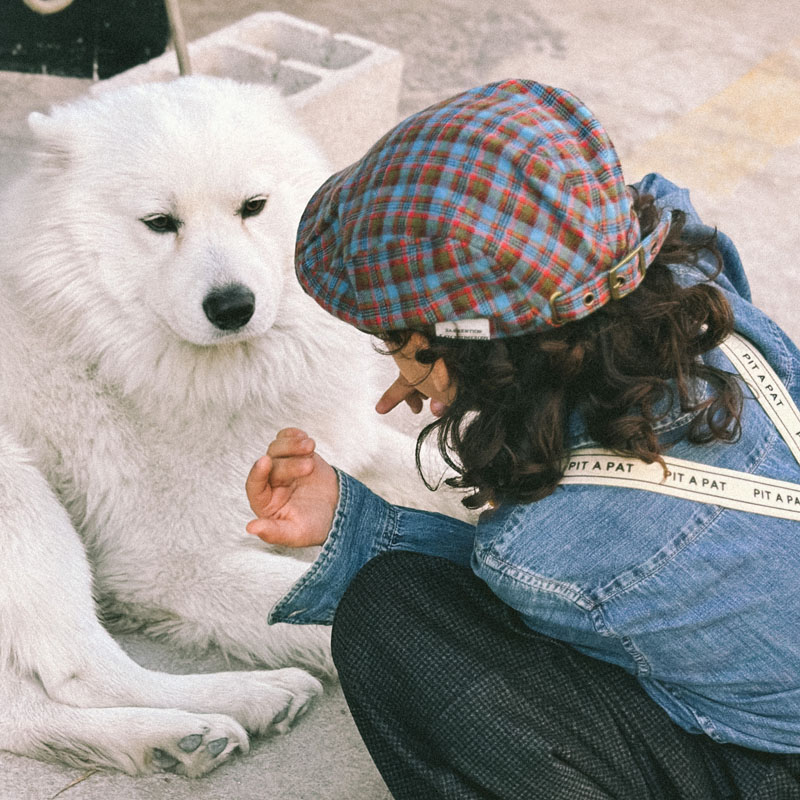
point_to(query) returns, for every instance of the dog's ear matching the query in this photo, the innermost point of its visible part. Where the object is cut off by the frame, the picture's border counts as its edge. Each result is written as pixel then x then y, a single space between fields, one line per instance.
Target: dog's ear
pixel 52 138
pixel 46 129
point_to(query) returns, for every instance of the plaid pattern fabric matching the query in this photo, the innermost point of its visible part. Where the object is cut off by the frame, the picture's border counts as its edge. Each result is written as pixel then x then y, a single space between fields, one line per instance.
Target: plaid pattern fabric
pixel 456 699
pixel 506 203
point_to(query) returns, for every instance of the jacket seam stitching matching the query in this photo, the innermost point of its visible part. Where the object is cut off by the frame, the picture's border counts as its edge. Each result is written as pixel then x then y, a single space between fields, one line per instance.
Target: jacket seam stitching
pixel 690 539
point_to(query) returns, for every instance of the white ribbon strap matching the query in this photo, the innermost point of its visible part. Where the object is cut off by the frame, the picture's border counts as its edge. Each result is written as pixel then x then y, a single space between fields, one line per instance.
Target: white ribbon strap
pixel 767 389
pixel 686 479
pixel 693 481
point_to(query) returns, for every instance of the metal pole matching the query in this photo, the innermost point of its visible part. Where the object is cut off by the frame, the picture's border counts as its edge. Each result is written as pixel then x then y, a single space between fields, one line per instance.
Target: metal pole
pixel 173 15
pixel 178 37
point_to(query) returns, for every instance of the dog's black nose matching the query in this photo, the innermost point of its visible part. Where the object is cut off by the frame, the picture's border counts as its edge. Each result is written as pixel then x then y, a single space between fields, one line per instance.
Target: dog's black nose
pixel 229 307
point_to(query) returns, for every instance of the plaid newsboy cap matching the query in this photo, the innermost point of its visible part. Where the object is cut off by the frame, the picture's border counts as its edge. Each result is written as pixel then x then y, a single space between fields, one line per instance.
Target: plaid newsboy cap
pixel 500 211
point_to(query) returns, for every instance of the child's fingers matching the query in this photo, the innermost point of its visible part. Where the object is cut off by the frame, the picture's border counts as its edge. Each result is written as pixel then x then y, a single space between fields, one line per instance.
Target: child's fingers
pixel 256 526
pixel 265 529
pixel 258 477
pixel 290 446
pixel 415 402
pixel 280 532
pixel 401 390
pixel 287 470
pixel 291 433
pixel 259 492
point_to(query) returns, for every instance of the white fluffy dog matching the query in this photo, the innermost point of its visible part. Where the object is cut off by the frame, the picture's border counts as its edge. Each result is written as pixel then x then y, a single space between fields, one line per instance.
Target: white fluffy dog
pixel 152 341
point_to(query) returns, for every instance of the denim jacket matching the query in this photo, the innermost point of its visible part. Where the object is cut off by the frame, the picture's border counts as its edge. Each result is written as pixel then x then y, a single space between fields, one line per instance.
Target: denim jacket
pixel 700 603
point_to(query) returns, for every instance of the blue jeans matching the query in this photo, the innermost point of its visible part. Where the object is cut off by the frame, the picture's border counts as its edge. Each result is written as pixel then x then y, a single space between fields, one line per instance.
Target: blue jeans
pixel 456 698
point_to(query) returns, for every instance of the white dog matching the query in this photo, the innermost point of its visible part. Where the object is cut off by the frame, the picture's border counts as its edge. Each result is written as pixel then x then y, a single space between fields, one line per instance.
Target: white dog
pixel 152 341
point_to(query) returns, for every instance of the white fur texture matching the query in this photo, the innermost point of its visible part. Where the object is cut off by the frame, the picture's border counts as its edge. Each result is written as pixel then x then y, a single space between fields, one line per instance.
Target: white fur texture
pixel 128 423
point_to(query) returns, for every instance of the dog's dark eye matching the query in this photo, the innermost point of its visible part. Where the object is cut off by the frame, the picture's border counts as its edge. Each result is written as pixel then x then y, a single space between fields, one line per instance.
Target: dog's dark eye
pixel 161 223
pixel 253 206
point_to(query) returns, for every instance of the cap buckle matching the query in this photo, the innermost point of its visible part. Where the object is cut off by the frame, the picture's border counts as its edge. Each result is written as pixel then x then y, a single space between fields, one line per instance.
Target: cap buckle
pixel 554 316
pixel 616 283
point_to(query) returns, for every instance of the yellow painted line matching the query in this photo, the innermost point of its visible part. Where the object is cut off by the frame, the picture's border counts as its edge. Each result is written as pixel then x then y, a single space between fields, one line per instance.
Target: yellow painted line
pixel 733 134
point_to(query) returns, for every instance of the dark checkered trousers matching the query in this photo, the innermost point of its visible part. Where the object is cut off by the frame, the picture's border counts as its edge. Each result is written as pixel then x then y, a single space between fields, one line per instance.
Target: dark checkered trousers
pixel 457 699
pixel 504 205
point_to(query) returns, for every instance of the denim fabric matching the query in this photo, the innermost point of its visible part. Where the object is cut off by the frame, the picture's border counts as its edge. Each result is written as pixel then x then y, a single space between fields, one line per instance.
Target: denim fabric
pixel 700 603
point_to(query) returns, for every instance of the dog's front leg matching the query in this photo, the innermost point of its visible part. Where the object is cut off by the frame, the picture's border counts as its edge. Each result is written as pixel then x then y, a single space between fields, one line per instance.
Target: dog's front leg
pixel 69 692
pixel 225 600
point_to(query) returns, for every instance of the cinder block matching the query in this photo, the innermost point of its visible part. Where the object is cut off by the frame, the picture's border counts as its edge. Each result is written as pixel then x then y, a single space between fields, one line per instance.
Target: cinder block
pixel 344 89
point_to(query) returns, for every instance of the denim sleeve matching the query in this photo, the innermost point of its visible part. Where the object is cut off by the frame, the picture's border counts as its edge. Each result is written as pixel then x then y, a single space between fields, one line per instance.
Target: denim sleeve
pixel 668 195
pixel 365 525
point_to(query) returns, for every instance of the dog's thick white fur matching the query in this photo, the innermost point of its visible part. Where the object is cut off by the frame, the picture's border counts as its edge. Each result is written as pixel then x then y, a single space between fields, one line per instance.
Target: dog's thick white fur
pixel 129 421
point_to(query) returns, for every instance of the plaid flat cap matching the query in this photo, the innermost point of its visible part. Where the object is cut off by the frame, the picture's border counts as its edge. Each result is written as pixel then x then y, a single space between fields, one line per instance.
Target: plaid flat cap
pixel 500 211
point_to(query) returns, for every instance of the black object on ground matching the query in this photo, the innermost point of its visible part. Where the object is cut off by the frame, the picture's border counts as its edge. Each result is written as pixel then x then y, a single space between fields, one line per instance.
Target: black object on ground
pixel 90 38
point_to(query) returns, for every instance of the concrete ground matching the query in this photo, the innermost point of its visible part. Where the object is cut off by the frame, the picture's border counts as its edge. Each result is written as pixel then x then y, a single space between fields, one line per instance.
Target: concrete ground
pixel 706 93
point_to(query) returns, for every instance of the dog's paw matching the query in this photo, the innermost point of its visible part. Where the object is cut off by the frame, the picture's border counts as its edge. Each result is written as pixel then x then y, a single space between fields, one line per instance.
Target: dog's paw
pixel 270 701
pixel 302 689
pixel 194 744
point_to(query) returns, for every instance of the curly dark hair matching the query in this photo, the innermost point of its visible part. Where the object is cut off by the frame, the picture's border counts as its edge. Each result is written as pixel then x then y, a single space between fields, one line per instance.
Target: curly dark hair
pixel 624 367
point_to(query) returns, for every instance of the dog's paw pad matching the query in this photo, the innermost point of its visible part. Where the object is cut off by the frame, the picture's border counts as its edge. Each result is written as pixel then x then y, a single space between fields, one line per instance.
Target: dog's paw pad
pixel 214 739
pixel 280 716
pixel 164 760
pixel 190 743
pixel 217 746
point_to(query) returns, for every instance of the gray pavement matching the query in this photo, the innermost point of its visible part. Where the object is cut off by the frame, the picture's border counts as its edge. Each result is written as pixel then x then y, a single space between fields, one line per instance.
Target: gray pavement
pixel 706 93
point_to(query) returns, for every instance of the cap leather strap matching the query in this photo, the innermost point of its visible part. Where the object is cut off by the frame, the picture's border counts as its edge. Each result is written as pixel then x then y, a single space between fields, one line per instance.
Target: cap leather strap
pixel 614 284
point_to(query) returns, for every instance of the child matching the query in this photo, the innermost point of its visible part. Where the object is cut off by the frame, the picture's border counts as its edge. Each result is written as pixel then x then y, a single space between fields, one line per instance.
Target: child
pixel 623 621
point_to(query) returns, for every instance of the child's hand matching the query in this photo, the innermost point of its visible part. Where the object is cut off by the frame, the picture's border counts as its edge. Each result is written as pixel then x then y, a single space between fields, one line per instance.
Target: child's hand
pixel 402 391
pixel 293 492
